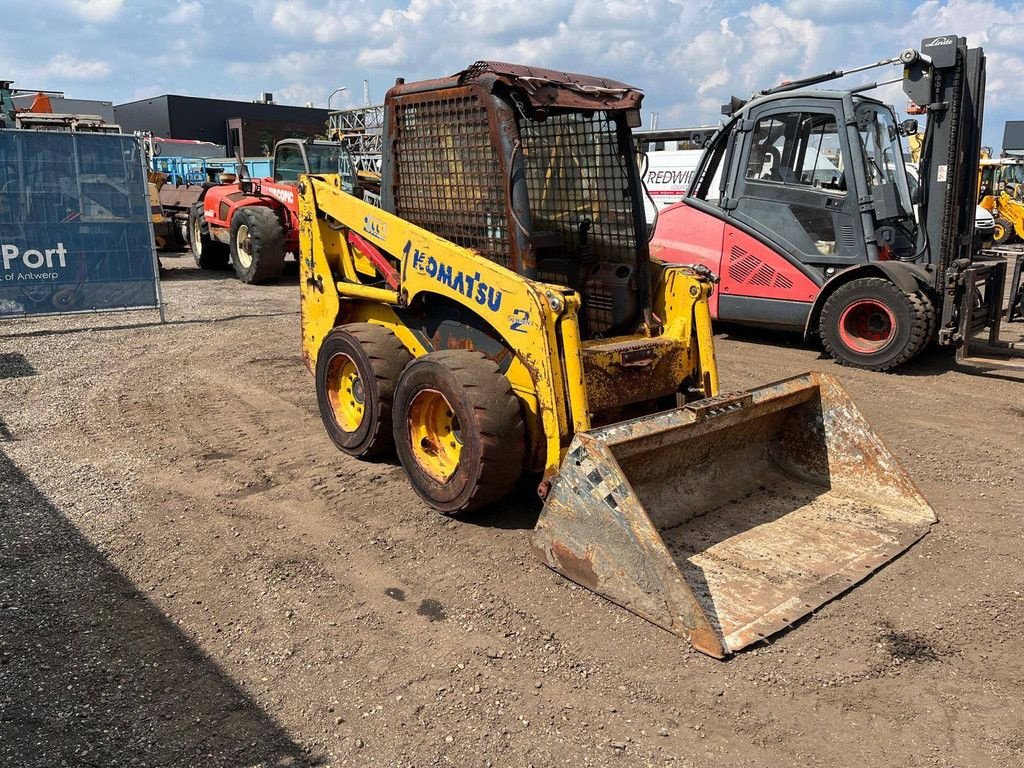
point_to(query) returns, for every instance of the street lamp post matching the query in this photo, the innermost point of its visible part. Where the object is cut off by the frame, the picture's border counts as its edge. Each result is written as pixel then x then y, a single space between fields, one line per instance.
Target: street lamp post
pixel 335 93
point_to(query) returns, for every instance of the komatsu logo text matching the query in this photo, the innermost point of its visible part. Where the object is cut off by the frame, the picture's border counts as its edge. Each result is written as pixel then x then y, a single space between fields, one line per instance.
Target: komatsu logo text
pixel 376 228
pixel 471 286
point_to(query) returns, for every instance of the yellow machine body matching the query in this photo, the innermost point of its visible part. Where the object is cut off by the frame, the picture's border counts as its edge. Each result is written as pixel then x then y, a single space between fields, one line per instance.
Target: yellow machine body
pixel 558 378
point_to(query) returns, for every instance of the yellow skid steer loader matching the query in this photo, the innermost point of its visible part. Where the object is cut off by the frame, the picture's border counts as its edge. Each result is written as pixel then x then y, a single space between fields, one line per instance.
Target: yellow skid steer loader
pixel 500 314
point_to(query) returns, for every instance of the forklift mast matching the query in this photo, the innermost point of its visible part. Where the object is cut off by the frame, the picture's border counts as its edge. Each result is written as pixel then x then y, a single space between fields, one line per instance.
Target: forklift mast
pixel 947 81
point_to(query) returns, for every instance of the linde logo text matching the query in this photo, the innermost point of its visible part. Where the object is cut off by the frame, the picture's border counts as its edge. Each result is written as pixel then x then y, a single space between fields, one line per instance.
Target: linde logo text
pixel 30 258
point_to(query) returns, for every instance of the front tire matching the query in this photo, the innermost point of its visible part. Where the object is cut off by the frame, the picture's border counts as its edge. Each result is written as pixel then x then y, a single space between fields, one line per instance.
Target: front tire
pixel 1004 233
pixel 458 430
pixel 870 323
pixel 207 252
pixel 257 244
pixel 357 369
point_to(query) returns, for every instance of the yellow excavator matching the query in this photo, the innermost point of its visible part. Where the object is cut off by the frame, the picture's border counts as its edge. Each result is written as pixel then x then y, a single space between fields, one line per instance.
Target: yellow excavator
pixel 499 316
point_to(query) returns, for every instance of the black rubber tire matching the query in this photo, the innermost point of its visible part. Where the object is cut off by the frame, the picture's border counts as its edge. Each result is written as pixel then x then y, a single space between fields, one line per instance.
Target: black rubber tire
pixel 1004 233
pixel 379 358
pixel 207 252
pixel 491 422
pixel 914 323
pixel 266 236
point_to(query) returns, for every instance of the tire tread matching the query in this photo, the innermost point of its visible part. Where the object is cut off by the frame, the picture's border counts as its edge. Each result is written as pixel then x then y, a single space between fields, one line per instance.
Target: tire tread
pixel 922 322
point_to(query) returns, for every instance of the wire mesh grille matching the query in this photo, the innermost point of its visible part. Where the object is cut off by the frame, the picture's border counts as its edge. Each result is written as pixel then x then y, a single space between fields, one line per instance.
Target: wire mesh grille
pixel 575 171
pixel 448 176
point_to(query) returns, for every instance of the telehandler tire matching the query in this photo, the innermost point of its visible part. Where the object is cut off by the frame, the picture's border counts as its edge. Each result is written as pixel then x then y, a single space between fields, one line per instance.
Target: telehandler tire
pixel 458 430
pixel 207 252
pixel 357 369
pixel 257 244
pixel 871 323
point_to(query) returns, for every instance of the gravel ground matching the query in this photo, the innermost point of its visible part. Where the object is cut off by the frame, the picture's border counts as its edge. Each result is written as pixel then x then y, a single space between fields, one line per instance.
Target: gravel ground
pixel 191 574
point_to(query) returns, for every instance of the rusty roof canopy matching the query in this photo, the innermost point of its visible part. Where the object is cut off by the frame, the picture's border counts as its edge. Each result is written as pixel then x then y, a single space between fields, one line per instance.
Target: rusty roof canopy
pixel 541 89
pixel 545 88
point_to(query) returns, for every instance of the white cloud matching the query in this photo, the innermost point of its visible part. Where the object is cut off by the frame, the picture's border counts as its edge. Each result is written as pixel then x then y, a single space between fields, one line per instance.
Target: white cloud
pixel 190 12
pixel 96 10
pixel 382 58
pixel 68 67
pixel 329 21
pixel 689 56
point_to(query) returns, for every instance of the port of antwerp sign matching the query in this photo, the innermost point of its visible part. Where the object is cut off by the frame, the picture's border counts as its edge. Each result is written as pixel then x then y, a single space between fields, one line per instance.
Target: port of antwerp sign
pixel 75 226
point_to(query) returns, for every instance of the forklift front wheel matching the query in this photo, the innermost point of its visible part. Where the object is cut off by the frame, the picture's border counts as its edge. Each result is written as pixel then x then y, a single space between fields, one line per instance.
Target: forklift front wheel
pixel 458 430
pixel 871 323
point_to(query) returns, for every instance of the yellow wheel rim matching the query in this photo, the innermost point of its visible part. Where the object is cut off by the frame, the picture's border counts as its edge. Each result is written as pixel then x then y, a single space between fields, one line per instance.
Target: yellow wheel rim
pixel 435 434
pixel 998 232
pixel 346 393
pixel 243 246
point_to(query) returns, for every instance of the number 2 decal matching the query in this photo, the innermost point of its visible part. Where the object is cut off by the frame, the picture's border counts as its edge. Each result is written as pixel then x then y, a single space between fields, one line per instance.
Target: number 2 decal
pixel 519 320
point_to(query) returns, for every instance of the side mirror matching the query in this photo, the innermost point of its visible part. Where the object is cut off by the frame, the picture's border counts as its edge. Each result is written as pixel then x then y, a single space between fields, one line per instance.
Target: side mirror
pixel 909 127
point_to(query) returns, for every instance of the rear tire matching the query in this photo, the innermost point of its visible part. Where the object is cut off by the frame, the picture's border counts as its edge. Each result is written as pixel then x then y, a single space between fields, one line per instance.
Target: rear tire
pixel 870 323
pixel 357 369
pixel 458 430
pixel 257 244
pixel 207 252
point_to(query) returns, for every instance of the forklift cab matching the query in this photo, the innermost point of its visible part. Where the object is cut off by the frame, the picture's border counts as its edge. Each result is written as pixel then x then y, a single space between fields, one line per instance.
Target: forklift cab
pixel 797 168
pixel 294 157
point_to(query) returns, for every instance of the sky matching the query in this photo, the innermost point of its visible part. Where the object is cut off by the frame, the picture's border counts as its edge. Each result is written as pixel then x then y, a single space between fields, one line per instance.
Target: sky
pixel 688 56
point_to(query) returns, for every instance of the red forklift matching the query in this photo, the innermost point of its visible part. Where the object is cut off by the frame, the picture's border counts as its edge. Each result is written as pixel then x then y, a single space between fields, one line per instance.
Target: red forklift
pixel 801 204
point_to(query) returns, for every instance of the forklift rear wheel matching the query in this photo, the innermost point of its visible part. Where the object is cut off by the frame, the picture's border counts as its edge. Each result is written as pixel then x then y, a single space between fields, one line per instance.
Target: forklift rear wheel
pixel 871 323
pixel 458 430
pixel 257 244
pixel 357 368
pixel 1004 233
pixel 207 252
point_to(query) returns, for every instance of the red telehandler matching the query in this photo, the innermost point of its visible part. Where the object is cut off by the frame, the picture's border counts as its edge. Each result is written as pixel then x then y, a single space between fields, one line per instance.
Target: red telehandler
pixel 255 222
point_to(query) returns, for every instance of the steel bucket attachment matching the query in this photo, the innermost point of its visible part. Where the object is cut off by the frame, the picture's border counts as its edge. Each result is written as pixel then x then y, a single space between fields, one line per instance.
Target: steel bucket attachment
pixel 729 519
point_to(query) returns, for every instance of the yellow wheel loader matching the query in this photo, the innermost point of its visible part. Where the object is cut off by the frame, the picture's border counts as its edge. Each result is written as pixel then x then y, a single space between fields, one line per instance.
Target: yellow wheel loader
pixel 500 315
pixel 1001 188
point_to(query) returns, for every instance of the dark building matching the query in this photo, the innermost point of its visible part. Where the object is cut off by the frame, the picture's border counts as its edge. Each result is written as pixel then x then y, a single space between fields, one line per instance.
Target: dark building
pixel 252 127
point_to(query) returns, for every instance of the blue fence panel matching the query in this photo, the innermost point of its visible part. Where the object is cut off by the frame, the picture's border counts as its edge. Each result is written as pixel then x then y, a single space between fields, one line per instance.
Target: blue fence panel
pixel 75 224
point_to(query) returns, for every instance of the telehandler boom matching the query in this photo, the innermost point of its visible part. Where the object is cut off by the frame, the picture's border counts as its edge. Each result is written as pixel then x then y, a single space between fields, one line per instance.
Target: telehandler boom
pixel 500 315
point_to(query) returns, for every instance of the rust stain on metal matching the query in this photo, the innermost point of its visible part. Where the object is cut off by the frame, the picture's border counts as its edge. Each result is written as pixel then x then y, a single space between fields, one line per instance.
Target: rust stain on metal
pixel 579 569
pixel 621 373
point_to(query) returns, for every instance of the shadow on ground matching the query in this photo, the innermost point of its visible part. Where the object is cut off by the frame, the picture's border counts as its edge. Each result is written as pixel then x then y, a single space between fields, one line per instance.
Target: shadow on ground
pixel 180 268
pixel 934 361
pixel 92 673
pixel 516 512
